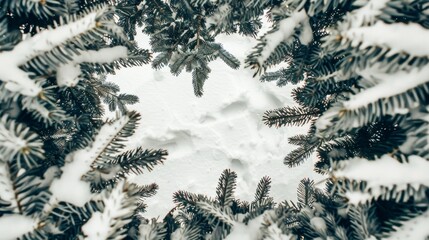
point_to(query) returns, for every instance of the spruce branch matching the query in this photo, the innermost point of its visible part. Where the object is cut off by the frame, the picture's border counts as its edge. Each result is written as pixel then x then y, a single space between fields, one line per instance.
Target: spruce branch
pixel 290 116
pixel 305 193
pixel 18 80
pixel 299 155
pixel 262 190
pixel 18 142
pixel 215 215
pixel 363 222
pixel 225 188
pixel 110 223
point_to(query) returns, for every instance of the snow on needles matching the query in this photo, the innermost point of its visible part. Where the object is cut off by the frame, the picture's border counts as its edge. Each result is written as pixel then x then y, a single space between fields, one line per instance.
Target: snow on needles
pixel 78 163
pixel 388 85
pixel 367 14
pixel 415 228
pixel 391 36
pixel 6 189
pixel 68 74
pixel 102 225
pixel 401 175
pixel 286 28
pixel 251 230
pixel 18 80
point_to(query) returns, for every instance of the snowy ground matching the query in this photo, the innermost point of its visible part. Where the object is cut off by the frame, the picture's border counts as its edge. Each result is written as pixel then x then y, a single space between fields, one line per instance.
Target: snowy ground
pixel 204 136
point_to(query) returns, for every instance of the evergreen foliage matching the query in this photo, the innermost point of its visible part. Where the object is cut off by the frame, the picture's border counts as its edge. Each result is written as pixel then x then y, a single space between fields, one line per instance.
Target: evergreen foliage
pixel 63 169
pixel 363 91
pixel 362 72
pixel 200 217
pixel 182 32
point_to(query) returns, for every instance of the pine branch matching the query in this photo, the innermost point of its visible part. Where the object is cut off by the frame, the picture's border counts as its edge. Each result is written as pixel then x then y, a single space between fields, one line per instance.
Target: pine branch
pixel 305 193
pixel 112 141
pixel 24 8
pixel 258 208
pixel 300 139
pixel 152 231
pixel 18 142
pixel 18 80
pixel 214 214
pixel 110 223
pixel 225 188
pixel 136 160
pixel 262 190
pixel 199 76
pixel 66 216
pixel 289 116
pixel 363 222
pixel 299 155
pixel 188 200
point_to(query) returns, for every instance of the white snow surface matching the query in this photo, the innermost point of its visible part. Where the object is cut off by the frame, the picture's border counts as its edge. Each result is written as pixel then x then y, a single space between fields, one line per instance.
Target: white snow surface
pixel 15 225
pixel 223 129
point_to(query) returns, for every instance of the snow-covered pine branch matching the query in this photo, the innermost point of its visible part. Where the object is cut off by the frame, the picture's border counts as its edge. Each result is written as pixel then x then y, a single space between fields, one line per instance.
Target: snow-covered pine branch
pixel 80 162
pixel 415 228
pixel 19 142
pixel 16 79
pixel 282 32
pixel 68 74
pixel 118 210
pixel 411 176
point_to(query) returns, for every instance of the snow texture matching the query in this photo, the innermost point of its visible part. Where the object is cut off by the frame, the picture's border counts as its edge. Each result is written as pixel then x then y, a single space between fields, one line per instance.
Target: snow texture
pixel 415 228
pixel 223 129
pixel 14 225
pixel 286 28
pixel 18 80
pixel 68 74
pixel 79 162
pixel 402 175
